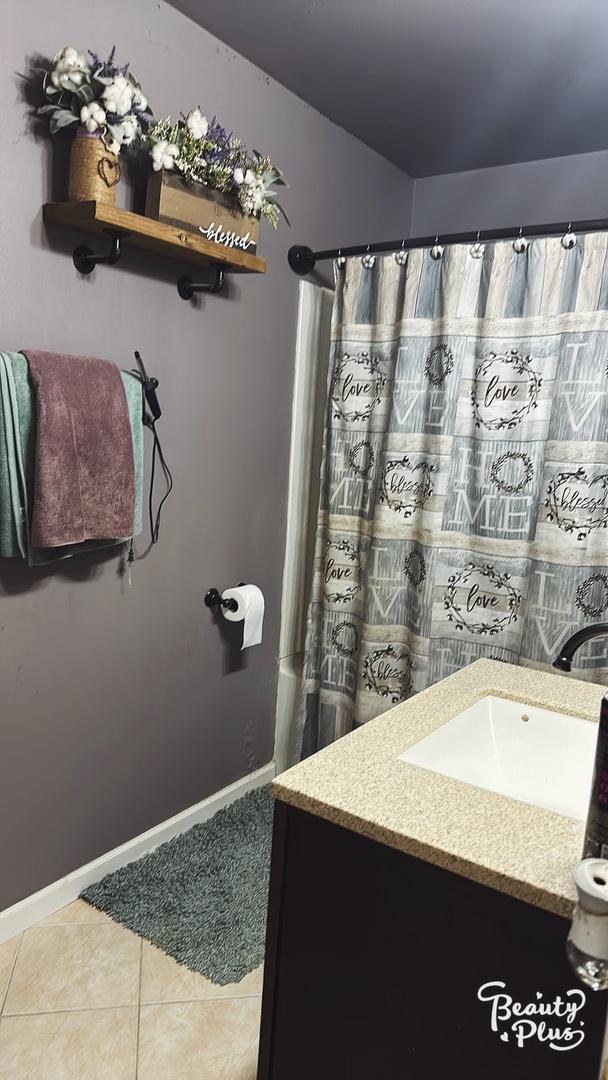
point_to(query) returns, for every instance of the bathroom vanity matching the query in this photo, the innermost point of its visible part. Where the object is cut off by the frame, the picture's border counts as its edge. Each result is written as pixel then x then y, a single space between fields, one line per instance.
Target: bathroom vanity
pixel 417 922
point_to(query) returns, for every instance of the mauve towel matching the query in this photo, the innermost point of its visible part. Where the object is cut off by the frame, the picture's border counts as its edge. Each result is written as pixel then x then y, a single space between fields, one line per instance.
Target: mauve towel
pixel 84 486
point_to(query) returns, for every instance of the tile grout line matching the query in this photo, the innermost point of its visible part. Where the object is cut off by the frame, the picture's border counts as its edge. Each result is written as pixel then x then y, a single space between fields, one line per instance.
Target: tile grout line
pixel 51 925
pixel 235 1065
pixel 64 1012
pixel 141 964
pixel 10 978
pixel 201 1001
pixel 88 926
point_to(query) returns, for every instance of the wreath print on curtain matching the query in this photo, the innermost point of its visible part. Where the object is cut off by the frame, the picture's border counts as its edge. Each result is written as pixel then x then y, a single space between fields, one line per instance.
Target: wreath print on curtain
pixel 464 486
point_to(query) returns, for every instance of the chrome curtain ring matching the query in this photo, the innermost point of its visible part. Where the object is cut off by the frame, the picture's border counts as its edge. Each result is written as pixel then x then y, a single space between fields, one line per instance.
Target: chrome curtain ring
pixel 340 260
pixel 437 250
pixel 401 255
pixel 477 250
pixel 569 238
pixel 368 260
pixel 521 244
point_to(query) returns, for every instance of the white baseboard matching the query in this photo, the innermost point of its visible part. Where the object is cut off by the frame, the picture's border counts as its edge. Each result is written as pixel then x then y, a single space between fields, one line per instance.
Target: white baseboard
pixel 33 908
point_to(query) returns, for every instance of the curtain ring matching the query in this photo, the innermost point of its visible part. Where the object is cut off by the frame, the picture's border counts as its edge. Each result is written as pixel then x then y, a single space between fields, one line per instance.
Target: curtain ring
pixel 521 244
pixel 340 260
pixel 569 238
pixel 477 250
pixel 401 255
pixel 368 260
pixel 437 250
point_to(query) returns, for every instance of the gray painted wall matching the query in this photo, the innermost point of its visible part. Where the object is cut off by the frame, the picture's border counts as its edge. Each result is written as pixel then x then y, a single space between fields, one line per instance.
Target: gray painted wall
pixel 121 707
pixel 559 189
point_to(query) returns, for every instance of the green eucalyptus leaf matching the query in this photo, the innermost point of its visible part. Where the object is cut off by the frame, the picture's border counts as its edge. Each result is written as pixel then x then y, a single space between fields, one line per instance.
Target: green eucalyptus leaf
pixel 86 94
pixel 47 110
pixel 62 119
pixel 70 86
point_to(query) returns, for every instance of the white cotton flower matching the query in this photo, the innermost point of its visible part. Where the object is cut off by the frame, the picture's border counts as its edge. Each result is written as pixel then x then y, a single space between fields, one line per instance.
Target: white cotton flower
pixel 118 96
pixel 241 177
pixel 252 193
pixel 163 155
pixel 92 117
pixel 70 67
pixel 140 102
pixel 197 124
pixel 127 129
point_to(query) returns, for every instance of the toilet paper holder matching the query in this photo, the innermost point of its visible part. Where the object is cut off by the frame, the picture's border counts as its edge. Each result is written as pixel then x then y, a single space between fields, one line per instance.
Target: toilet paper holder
pixel 213 598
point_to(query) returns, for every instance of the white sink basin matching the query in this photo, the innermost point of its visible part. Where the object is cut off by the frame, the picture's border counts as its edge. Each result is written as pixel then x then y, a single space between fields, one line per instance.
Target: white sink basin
pixel 532 755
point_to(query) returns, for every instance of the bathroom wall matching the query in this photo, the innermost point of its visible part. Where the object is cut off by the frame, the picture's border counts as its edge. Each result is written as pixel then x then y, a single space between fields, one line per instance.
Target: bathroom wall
pixel 534 192
pixel 121 706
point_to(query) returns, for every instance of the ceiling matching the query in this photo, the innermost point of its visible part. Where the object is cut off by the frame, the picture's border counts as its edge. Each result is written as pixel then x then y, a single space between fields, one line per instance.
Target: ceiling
pixel 435 85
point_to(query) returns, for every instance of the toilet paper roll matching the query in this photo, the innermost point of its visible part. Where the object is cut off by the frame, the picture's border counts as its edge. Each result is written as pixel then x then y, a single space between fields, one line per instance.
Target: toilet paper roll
pixel 249 611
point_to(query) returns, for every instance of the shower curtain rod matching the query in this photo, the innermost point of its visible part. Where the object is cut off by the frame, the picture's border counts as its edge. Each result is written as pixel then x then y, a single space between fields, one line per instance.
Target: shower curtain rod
pixel 302 259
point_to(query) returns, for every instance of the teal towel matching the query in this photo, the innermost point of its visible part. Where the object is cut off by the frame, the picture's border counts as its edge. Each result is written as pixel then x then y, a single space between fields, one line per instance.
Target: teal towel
pixel 17 440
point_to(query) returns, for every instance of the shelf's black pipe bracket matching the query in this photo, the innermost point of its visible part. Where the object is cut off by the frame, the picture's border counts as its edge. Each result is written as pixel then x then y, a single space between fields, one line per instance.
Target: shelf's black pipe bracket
pixel 86 260
pixel 187 288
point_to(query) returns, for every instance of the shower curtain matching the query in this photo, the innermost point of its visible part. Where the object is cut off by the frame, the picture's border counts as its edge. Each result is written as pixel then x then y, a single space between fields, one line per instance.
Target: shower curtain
pixel 464 484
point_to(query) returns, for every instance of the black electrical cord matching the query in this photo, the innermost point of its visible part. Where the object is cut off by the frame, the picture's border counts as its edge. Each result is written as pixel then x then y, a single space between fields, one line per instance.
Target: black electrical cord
pixel 149 418
pixel 157 450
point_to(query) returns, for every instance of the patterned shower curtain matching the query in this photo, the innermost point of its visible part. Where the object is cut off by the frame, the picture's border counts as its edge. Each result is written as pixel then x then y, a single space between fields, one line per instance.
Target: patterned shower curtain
pixel 464 488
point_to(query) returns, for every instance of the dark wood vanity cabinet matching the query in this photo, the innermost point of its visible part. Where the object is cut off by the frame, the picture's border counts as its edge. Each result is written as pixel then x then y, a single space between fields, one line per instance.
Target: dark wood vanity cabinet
pixel 375 962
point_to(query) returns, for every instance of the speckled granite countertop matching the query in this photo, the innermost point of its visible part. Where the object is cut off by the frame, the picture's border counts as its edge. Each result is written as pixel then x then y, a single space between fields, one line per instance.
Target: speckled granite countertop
pixel 359 783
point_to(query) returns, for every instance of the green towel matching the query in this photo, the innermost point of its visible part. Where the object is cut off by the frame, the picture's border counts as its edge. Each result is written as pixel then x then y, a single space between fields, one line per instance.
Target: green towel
pixel 17 441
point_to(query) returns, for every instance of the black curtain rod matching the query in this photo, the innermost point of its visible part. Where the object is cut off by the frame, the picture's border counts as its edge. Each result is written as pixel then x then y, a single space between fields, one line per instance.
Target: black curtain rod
pixel 302 259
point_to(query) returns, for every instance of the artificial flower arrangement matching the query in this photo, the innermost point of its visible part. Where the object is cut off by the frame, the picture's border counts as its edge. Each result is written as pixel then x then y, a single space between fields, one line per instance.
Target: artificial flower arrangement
pixel 202 152
pixel 203 179
pixel 96 94
pixel 105 104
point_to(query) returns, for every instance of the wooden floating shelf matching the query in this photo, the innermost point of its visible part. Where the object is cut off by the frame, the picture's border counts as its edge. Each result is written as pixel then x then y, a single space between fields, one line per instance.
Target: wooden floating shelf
pixel 143 232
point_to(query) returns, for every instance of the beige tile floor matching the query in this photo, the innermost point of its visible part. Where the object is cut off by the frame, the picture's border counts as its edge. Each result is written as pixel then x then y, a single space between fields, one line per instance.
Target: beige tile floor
pixel 81 998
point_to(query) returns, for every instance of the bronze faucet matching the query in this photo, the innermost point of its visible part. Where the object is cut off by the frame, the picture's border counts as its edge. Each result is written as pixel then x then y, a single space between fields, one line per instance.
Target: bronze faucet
pixel 564 660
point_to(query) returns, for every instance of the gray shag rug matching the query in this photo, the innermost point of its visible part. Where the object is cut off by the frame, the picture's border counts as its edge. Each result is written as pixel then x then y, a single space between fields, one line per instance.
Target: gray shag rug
pixel 202 896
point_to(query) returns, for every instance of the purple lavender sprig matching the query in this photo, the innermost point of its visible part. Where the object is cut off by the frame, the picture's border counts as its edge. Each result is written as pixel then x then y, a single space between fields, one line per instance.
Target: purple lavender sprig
pixel 106 69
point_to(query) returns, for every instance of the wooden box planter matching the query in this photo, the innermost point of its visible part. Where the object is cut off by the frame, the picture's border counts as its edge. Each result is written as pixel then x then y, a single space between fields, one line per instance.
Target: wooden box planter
pixel 198 209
